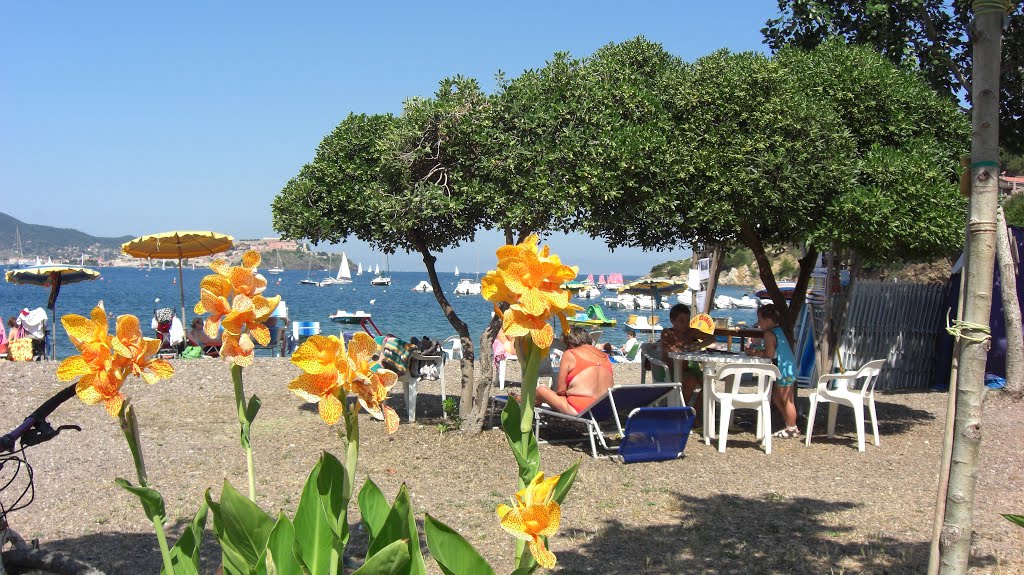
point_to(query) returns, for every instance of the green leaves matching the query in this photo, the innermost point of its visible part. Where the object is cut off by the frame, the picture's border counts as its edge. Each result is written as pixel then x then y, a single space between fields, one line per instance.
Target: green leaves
pixel 400 525
pixel 527 457
pixel 152 501
pixel 317 530
pixel 452 552
pixel 1018 519
pixel 185 553
pixel 373 507
pixel 242 530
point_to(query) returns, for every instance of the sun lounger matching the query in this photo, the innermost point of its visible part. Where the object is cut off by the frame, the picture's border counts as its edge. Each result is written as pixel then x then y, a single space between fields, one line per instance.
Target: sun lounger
pixel 612 406
pixel 656 433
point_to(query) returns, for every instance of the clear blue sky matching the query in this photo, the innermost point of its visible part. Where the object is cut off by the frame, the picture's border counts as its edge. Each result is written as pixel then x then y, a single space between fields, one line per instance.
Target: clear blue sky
pixel 121 118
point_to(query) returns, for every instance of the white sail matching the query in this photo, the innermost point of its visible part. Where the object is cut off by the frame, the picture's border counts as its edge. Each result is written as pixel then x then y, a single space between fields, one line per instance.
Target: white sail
pixel 456 270
pixel 344 274
pixel 376 269
pixel 359 270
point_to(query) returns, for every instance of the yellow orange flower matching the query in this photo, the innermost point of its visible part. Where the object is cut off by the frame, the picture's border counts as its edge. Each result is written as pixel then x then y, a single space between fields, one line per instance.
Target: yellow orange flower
pixel 534 514
pixel 330 370
pixel 105 362
pixel 137 353
pixel 233 299
pixel 529 279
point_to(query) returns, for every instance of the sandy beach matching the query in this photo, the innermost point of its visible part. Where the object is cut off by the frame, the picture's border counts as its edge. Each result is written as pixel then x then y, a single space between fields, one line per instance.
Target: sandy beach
pixel 819 509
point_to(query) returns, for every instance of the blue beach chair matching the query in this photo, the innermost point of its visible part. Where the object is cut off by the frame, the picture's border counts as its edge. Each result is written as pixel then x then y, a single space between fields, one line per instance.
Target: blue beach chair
pixel 656 433
pixel 619 400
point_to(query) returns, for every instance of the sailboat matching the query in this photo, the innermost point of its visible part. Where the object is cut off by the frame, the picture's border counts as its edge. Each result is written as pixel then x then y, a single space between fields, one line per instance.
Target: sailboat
pixel 309 268
pixel 280 265
pixel 456 270
pixel 344 274
pixel 359 269
pixel 382 280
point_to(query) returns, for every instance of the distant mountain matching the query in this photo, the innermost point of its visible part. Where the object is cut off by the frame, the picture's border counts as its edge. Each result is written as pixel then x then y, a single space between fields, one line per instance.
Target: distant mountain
pixel 49 241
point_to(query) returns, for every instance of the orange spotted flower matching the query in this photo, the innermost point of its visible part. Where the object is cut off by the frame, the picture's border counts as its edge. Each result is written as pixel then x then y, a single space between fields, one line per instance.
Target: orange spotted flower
pixel 534 514
pixel 529 279
pixel 105 362
pixel 331 370
pixel 233 298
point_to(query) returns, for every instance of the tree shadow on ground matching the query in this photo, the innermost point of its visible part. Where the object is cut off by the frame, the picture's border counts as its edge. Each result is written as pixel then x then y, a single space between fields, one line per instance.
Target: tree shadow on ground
pixel 725 533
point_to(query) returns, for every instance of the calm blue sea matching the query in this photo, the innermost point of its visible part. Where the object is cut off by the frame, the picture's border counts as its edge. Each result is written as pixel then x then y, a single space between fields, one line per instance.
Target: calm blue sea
pixel 396 309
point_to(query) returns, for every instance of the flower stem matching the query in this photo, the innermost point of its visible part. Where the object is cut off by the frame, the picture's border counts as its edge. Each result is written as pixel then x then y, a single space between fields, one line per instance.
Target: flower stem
pixel 165 552
pixel 245 425
pixel 531 368
pixel 351 410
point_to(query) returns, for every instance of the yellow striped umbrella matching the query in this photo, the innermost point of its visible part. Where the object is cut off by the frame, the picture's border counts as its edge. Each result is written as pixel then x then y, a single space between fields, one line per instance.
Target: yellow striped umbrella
pixel 178 245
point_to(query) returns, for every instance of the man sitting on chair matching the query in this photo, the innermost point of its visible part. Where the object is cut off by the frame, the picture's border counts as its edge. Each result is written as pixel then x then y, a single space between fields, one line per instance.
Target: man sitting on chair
pixel 197 336
pixel 585 373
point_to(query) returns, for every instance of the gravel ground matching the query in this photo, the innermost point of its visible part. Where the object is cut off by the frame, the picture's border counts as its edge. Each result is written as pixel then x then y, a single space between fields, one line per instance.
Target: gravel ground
pixel 822 509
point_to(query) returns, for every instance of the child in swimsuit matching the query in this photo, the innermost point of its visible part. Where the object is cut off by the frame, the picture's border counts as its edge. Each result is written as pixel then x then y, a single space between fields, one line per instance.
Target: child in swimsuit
pixel 585 374
pixel 776 348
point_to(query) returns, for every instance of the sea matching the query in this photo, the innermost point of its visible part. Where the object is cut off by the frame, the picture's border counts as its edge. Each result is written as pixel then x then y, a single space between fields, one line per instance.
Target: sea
pixel 395 309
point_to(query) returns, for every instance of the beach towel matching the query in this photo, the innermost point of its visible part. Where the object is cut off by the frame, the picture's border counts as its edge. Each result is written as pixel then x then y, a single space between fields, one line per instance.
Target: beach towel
pixel 395 354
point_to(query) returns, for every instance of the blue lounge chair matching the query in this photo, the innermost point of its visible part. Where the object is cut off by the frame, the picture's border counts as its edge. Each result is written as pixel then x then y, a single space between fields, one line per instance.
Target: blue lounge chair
pixel 619 400
pixel 656 433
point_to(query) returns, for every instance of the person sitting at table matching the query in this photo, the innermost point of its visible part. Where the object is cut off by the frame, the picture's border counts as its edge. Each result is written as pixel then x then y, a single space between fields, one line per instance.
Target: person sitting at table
pixel 584 374
pixel 198 337
pixel 681 337
pixel 776 348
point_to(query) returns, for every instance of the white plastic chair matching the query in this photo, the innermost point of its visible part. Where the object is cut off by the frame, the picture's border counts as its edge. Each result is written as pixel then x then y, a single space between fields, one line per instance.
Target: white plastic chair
pixel 765 376
pixel 454 351
pixel 844 395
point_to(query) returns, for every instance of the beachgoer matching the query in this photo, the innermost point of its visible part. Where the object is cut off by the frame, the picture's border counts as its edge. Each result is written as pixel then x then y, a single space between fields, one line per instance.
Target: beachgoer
pixel 584 374
pixel 198 337
pixel 12 329
pixel 776 348
pixel 682 337
pixel 3 342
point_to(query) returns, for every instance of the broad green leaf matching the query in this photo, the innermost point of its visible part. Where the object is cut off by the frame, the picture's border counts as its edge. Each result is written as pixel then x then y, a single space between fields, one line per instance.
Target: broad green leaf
pixel 185 552
pixel 390 560
pixel 232 559
pixel 245 527
pixel 401 525
pixel 152 501
pixel 373 507
pixel 331 485
pixel 252 408
pixel 452 552
pixel 279 556
pixel 565 481
pixel 1018 519
pixel 312 527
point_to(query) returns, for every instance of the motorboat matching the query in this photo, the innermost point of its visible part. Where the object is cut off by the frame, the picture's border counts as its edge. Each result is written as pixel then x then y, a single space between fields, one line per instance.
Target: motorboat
pixel 642 323
pixel 342 316
pixel 590 292
pixel 423 286
pixel 787 289
pixel 639 301
pixel 467 286
pixel 745 302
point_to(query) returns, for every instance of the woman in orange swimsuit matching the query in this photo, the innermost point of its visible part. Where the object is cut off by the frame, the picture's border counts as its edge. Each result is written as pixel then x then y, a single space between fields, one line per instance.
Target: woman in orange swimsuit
pixel 584 374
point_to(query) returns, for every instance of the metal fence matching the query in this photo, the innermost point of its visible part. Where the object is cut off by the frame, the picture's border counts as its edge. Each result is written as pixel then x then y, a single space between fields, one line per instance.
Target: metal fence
pixel 898 322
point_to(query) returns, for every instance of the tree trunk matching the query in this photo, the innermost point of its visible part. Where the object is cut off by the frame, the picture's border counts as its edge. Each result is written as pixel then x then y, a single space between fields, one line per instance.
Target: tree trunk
pixel 1011 307
pixel 955 542
pixel 716 268
pixel 477 417
pixel 790 311
pixel 468 355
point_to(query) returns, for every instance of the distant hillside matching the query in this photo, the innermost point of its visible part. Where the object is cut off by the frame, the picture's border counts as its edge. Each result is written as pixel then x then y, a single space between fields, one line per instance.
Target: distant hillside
pixel 45 241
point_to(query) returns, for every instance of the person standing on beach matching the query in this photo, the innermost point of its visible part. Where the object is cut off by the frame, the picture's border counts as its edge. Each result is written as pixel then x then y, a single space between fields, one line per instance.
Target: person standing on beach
pixel 776 348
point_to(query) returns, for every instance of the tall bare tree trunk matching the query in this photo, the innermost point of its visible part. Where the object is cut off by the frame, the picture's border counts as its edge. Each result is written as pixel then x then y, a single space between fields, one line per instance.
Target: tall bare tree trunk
pixel 955 542
pixel 791 310
pixel 1011 309
pixel 717 255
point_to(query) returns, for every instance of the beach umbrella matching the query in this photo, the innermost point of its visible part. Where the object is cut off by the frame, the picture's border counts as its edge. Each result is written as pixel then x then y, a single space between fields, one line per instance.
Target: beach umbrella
pixel 178 245
pixel 52 276
pixel 654 286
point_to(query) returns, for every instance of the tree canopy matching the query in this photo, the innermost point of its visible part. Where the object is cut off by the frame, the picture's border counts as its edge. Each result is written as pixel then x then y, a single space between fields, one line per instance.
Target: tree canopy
pixel 928 36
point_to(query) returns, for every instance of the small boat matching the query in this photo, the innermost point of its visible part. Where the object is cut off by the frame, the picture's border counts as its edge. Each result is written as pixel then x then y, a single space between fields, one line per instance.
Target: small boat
pixel 456 270
pixel 590 292
pixel 344 274
pixel 382 280
pixel 359 269
pixel 787 288
pixel 423 286
pixel 614 282
pixel 641 323
pixel 342 316
pixel 280 268
pixel 467 287
pixel 745 302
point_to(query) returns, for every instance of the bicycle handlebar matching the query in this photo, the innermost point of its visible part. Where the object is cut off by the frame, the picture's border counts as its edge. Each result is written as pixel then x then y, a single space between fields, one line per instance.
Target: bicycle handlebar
pixel 36 417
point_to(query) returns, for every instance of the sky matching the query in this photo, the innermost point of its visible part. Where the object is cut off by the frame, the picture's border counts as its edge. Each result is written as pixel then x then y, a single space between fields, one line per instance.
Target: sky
pixel 128 118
